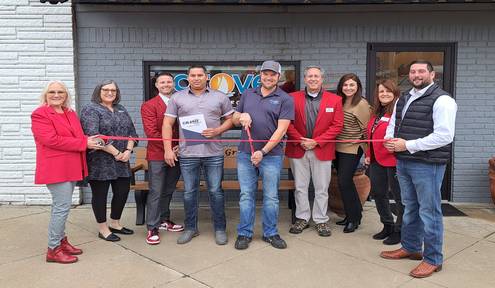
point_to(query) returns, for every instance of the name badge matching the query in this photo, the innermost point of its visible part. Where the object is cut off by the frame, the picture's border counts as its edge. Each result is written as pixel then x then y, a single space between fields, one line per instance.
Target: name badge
pixel 385 119
pixel 329 109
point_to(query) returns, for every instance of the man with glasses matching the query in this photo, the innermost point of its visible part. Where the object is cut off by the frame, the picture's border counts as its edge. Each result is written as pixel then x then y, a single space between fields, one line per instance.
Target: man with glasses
pixel 199 108
pixel 162 177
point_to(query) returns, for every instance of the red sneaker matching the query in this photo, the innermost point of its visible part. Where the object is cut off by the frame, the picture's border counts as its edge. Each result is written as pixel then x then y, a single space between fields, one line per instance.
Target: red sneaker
pixel 59 256
pixel 153 237
pixel 68 248
pixel 171 226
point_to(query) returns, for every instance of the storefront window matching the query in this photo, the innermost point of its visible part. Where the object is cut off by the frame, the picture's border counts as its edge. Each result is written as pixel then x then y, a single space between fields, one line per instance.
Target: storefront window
pixel 391 61
pixel 232 78
pixel 394 65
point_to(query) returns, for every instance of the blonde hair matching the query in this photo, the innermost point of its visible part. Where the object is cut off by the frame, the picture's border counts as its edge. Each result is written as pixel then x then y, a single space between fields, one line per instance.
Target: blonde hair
pixel 67 102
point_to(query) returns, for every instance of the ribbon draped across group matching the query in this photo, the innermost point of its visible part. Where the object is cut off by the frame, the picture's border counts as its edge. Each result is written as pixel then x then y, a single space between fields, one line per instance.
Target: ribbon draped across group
pixel 250 140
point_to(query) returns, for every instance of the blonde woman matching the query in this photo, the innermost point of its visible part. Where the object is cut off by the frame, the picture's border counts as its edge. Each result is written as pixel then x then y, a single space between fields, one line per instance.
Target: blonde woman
pixel 60 162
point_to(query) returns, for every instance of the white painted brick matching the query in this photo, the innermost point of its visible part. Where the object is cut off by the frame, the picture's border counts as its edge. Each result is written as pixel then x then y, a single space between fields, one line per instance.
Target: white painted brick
pixel 16 47
pixel 43 10
pixel 14 198
pixel 10 127
pixel 49 43
pixel 7 31
pixel 57 19
pixel 20 22
pixel 19 72
pixel 14 2
pixel 9 80
pixel 45 60
pixel 11 174
pixel 44 35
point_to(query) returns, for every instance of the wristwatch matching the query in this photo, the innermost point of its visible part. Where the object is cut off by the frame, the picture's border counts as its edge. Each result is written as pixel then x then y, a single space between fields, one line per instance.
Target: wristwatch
pixel 263 152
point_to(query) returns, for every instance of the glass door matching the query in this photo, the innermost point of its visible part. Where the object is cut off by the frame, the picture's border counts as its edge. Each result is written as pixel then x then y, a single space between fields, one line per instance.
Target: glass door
pixel 391 60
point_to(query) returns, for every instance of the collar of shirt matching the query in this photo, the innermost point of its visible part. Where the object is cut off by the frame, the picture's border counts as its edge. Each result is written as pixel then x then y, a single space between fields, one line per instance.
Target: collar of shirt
pixel 417 93
pixel 313 96
pixel 164 98
pixel 276 92
pixel 207 89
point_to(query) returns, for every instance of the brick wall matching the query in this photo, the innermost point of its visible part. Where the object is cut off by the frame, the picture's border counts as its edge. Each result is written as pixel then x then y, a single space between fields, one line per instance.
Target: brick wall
pixel 113 45
pixel 36 45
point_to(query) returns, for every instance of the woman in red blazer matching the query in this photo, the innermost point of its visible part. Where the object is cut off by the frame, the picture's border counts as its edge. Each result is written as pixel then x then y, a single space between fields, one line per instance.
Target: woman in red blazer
pixel 382 163
pixel 60 162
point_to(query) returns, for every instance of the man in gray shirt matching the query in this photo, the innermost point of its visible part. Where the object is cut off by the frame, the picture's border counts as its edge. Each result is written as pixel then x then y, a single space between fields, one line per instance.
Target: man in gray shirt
pixel 200 111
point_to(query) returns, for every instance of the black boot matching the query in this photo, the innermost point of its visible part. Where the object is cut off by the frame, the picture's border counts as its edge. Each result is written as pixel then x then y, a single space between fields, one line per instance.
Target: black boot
pixel 386 231
pixel 342 222
pixel 393 239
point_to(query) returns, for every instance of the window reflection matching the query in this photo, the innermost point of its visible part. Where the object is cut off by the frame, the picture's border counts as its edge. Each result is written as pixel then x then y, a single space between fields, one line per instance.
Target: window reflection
pixel 394 65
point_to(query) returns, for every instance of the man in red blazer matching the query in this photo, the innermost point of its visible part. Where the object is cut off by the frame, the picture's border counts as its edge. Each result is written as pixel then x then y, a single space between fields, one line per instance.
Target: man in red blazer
pixel 318 117
pixel 162 178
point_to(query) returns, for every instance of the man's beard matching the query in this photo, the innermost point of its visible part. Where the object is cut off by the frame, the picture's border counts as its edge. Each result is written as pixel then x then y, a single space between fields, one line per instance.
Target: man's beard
pixel 420 86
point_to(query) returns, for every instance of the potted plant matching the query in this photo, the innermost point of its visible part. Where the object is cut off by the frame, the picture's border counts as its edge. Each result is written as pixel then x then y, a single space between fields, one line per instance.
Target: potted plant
pixel 363 187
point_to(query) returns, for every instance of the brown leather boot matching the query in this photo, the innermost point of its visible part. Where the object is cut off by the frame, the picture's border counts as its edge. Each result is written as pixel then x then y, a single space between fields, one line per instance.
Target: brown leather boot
pixel 68 248
pixel 425 269
pixel 59 256
pixel 401 253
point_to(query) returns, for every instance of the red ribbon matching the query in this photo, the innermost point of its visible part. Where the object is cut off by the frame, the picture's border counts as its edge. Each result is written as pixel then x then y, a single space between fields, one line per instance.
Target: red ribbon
pixel 234 140
pixel 250 140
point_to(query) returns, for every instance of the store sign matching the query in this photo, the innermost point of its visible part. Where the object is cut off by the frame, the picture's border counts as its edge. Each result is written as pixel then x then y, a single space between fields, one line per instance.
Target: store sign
pixel 232 78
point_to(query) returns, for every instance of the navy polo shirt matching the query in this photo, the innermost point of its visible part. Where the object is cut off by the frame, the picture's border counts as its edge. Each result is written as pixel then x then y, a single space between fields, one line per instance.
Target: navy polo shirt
pixel 265 113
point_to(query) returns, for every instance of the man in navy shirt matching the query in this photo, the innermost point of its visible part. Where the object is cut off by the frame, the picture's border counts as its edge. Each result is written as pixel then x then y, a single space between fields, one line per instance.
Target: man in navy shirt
pixel 266 111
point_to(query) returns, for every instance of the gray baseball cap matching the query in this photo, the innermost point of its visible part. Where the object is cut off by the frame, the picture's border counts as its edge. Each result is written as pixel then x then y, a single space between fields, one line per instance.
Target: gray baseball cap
pixel 272 66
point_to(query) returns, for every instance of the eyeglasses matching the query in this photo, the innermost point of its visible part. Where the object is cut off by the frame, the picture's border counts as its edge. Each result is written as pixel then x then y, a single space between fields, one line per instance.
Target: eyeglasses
pixel 51 92
pixel 113 91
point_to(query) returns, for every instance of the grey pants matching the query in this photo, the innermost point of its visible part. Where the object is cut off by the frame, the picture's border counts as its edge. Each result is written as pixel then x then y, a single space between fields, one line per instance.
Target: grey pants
pixel 162 179
pixel 61 202
pixel 304 169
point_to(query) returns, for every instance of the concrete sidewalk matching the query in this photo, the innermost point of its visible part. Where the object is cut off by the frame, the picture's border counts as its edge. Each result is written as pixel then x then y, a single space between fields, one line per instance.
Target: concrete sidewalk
pixel 342 260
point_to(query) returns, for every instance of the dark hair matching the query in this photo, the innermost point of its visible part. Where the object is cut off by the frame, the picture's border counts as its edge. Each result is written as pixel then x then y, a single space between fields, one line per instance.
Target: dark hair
pixel 357 96
pixel 377 106
pixel 96 97
pixel 196 66
pixel 163 73
pixel 428 64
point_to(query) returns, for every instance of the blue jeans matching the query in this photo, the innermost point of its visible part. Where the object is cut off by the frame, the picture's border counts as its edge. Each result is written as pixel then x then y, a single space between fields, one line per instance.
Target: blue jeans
pixel 269 170
pixel 420 185
pixel 213 171
pixel 61 201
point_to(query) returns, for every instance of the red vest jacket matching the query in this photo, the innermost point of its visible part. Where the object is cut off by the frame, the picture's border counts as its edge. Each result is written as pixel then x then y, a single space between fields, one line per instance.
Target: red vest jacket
pixel 152 114
pixel 328 125
pixel 382 156
pixel 60 146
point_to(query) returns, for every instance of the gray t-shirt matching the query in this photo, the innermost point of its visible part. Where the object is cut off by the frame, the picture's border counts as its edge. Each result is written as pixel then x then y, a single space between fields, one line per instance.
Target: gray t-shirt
pixel 213 105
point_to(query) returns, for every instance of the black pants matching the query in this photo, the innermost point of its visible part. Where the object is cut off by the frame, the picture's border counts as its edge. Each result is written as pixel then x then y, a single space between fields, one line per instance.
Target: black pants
pixel 382 178
pixel 99 189
pixel 346 167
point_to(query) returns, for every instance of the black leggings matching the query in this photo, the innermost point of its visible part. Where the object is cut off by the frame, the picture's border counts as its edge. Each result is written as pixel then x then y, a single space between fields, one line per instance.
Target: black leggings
pixel 381 179
pixel 346 167
pixel 120 190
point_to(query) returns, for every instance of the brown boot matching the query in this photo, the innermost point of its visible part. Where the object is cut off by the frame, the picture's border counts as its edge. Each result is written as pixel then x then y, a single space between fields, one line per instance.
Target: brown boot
pixel 425 269
pixel 401 253
pixel 58 255
pixel 68 248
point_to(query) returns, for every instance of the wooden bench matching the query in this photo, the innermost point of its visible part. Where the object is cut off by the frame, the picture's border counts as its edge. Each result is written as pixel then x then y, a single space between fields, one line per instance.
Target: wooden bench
pixel 141 187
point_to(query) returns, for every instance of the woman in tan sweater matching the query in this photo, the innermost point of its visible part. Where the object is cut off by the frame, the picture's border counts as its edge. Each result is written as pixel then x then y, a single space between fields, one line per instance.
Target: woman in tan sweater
pixel 356 116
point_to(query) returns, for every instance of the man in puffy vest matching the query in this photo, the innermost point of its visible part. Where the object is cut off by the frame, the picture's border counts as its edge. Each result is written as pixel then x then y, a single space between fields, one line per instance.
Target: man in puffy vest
pixel 421 131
